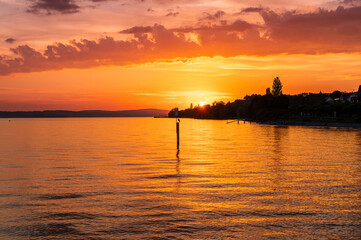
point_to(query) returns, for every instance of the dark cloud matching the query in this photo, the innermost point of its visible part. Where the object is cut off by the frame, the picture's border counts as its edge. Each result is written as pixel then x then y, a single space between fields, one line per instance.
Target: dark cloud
pixel 137 29
pixel 238 25
pixel 53 6
pixel 351 2
pixel 320 32
pixel 213 17
pixel 252 10
pixel 341 27
pixel 172 14
pixel 10 40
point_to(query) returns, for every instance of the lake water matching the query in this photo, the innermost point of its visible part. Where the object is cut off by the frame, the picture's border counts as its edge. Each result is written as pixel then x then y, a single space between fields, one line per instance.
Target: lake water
pixel 120 178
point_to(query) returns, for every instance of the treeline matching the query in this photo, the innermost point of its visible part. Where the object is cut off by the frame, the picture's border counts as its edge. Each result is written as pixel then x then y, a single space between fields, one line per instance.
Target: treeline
pixel 274 106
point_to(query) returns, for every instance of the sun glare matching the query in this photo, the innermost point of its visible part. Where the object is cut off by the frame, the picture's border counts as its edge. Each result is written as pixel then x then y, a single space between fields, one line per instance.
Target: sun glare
pixel 201 104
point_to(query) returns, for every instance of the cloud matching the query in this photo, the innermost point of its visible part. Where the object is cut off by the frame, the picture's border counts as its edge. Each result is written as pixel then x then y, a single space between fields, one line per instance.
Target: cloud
pixel 137 29
pixel 289 32
pixel 252 10
pixel 334 30
pixel 53 6
pixel 351 2
pixel 213 17
pixel 172 14
pixel 176 94
pixel 238 25
pixel 10 40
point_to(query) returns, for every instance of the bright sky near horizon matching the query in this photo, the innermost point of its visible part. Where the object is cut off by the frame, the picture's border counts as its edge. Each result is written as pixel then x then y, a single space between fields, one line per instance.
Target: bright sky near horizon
pixel 132 54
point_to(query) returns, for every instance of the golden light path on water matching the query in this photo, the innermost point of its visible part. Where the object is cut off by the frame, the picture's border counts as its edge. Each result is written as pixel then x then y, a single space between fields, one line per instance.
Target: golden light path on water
pixel 120 178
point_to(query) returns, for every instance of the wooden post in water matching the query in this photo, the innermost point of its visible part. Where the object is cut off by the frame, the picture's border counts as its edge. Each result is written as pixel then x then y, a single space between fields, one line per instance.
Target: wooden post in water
pixel 177 126
pixel 178 134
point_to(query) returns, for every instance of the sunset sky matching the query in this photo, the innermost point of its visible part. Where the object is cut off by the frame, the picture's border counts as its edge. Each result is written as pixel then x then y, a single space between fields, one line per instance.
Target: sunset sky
pixel 133 54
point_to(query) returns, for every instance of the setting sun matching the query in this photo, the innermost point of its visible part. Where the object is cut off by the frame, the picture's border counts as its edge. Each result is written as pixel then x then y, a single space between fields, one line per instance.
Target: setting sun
pixel 201 104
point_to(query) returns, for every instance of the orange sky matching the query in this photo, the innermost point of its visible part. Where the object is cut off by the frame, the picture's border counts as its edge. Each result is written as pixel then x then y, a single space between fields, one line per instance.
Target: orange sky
pixel 114 55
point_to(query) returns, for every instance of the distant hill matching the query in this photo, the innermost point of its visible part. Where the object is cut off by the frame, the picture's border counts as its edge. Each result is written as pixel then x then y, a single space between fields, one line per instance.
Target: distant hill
pixel 86 113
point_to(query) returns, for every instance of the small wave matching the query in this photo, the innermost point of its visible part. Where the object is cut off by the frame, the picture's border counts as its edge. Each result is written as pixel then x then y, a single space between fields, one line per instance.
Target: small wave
pixel 61 167
pixel 42 230
pixel 169 176
pixel 269 214
pixel 60 196
pixel 69 215
pixel 13 179
pixel 11 205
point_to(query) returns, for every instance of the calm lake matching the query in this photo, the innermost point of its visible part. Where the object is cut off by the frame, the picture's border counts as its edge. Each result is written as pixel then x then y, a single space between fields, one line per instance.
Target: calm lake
pixel 121 178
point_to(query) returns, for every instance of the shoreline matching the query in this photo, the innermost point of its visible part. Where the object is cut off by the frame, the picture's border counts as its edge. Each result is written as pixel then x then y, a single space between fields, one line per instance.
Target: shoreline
pixel 274 123
pixel 310 124
pixel 289 123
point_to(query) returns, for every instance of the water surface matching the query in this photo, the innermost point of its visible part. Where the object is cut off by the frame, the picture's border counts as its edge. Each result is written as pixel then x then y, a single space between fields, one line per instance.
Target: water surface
pixel 121 178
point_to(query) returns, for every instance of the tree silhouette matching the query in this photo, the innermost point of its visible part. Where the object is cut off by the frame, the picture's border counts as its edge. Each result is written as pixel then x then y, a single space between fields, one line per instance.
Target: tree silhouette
pixel 277 87
pixel 268 91
pixel 335 94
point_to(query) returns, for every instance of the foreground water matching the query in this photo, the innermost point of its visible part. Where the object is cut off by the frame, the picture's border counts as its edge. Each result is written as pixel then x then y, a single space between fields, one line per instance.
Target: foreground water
pixel 120 178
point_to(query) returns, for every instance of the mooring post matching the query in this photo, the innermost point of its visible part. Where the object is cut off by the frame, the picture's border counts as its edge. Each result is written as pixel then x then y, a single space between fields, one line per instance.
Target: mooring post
pixel 177 125
pixel 177 134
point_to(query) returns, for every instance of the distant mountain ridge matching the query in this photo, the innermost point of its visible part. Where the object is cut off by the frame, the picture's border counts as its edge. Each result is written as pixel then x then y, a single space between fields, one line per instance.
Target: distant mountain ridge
pixel 85 113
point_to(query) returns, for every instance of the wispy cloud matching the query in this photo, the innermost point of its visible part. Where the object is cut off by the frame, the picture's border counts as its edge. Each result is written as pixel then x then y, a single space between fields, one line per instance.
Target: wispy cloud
pixel 172 14
pixel 53 6
pixel 176 94
pixel 213 17
pixel 10 40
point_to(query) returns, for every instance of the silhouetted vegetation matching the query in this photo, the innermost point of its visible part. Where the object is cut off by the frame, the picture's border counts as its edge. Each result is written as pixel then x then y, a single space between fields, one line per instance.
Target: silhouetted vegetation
pixel 268 91
pixel 305 107
pixel 277 87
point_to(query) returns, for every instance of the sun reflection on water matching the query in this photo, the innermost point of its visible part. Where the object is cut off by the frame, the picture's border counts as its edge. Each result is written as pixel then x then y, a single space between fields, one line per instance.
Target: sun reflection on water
pixel 110 178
